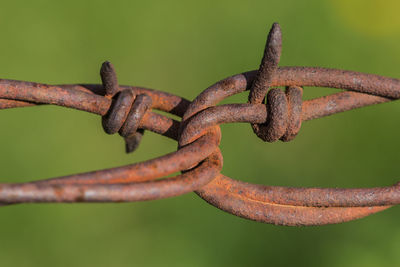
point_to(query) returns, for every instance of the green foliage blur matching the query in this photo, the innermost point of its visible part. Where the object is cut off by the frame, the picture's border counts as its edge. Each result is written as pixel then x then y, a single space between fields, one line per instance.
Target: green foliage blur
pixel 183 47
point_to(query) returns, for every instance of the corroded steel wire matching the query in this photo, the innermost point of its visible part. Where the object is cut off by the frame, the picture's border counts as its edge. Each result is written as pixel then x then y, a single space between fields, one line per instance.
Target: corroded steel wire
pixel 138 179
pixel 127 110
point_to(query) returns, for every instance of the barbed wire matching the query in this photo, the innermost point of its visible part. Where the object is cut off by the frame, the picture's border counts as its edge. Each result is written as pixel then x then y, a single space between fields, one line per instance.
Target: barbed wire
pixel 128 111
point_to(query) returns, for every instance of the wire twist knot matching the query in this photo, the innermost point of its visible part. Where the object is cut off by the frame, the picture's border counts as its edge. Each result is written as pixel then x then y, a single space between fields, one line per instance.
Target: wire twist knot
pixel 126 111
pixel 284 111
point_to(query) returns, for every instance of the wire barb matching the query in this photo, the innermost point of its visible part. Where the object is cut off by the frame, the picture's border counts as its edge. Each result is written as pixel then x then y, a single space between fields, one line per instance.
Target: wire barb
pixel 268 66
pixel 109 79
pixel 278 126
pixel 126 111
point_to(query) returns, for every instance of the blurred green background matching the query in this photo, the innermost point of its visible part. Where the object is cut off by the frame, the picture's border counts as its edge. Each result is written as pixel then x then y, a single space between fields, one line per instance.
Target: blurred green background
pixel 183 47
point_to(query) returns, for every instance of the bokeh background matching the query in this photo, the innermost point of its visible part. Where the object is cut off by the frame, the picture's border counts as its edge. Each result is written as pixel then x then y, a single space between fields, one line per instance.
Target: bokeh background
pixel 183 47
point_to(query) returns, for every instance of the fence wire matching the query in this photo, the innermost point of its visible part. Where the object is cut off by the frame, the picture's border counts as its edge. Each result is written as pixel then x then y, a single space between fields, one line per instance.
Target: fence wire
pixel 274 115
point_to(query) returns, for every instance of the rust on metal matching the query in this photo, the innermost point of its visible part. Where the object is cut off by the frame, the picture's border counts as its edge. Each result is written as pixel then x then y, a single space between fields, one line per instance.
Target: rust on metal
pixel 274 115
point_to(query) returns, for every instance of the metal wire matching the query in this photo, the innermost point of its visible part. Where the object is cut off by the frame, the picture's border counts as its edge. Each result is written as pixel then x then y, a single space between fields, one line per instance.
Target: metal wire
pixel 127 110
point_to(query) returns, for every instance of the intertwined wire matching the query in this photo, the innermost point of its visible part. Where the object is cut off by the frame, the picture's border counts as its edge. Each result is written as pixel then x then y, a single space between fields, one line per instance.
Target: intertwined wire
pixel 278 116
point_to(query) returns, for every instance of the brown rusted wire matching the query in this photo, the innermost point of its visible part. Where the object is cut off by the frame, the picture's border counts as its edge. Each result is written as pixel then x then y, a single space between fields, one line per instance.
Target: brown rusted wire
pixel 128 110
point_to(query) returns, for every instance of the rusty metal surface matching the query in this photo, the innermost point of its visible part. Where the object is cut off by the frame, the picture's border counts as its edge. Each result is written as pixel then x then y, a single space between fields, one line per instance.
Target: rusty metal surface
pixel 274 115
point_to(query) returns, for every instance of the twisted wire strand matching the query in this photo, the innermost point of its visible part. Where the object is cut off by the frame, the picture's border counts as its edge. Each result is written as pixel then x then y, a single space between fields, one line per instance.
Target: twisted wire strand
pixel 133 182
pixel 316 108
pixel 294 206
pixel 267 203
pixel 127 110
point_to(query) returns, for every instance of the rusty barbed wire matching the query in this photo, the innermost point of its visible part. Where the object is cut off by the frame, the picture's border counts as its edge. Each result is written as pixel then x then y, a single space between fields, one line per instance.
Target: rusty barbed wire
pixel 128 111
